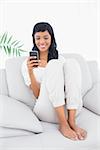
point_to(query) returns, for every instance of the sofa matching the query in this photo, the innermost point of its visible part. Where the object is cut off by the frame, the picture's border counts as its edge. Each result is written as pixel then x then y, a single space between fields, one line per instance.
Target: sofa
pixel 21 128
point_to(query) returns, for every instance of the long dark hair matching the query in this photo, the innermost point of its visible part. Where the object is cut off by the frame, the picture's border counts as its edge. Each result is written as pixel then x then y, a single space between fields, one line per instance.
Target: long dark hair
pixel 41 27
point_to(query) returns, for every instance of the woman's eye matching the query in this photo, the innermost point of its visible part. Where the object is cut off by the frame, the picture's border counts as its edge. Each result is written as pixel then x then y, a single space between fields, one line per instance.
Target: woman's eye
pixel 37 38
pixel 46 38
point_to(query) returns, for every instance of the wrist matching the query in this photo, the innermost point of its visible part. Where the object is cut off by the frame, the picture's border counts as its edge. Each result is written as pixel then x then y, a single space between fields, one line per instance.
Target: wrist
pixel 30 72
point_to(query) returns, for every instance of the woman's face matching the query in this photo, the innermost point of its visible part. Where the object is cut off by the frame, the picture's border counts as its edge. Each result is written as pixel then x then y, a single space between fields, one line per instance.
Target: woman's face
pixel 42 40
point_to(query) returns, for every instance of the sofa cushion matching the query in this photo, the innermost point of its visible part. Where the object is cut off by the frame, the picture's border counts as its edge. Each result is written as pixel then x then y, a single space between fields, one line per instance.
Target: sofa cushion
pixel 11 132
pixel 14 114
pixel 3 82
pixel 86 75
pixel 94 70
pixel 16 85
pixel 92 99
pixel 52 139
pixel 86 120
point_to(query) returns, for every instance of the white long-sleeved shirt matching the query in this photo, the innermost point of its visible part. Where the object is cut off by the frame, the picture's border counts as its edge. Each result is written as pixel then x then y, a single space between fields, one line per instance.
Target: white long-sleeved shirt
pixel 38 71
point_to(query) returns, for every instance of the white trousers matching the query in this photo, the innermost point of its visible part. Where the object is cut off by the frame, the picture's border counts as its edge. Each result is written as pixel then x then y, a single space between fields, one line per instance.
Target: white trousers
pixel 62 81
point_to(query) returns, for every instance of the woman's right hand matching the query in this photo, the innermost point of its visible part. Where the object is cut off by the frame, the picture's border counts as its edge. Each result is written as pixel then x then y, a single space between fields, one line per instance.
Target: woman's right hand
pixel 32 64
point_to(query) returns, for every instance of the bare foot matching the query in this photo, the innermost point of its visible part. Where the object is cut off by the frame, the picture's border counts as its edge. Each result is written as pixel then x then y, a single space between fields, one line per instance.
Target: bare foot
pixel 81 133
pixel 68 132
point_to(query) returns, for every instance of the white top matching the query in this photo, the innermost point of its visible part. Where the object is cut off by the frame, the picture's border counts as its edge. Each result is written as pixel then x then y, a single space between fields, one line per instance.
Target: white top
pixel 38 71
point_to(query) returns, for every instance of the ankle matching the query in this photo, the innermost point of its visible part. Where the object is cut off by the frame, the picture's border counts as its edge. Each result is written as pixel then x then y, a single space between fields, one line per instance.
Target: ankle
pixel 72 123
pixel 64 125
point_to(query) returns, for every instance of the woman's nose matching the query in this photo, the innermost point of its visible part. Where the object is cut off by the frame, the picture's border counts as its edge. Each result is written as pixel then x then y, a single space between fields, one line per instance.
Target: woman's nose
pixel 42 41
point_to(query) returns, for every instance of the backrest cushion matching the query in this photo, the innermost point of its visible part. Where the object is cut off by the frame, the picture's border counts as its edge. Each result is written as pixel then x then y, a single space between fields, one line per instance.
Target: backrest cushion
pixel 18 89
pixel 16 85
pixel 3 83
pixel 92 99
pixel 94 70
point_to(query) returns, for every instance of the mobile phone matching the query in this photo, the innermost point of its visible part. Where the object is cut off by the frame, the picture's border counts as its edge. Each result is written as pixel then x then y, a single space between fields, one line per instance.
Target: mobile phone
pixel 34 54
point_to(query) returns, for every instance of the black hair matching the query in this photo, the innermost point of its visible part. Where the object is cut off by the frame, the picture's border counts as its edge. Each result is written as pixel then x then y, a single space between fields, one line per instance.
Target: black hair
pixel 41 27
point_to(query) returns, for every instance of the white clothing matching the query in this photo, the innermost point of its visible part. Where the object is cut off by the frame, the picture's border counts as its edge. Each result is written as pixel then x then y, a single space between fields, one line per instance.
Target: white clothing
pixel 53 77
pixel 38 71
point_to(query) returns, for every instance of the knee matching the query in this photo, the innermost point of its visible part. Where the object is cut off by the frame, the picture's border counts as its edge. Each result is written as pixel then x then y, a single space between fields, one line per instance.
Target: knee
pixel 70 62
pixel 54 68
pixel 72 65
pixel 54 64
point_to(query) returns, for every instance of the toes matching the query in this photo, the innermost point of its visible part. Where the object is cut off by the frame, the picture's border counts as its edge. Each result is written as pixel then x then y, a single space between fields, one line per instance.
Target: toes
pixel 75 137
pixel 84 134
pixel 80 137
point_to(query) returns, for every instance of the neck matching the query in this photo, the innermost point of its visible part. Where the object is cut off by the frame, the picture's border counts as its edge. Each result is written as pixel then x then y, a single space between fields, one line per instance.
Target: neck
pixel 44 55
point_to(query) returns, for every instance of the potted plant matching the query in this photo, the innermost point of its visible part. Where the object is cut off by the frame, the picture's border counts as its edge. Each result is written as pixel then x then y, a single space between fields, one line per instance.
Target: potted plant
pixel 9 47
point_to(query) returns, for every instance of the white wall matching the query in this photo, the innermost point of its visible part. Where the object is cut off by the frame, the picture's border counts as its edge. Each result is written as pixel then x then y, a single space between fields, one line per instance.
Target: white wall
pixel 75 22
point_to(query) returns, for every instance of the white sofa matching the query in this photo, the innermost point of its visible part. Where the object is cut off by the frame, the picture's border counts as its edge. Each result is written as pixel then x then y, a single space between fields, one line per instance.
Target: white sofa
pixel 20 128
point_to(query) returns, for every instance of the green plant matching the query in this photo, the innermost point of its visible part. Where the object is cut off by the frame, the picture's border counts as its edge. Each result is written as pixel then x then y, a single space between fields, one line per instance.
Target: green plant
pixel 10 46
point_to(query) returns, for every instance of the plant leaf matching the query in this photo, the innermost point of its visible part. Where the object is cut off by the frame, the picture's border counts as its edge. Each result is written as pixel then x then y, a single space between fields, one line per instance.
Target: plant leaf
pixel 22 50
pixel 9 39
pixel 18 53
pixel 13 42
pixel 13 50
pixel 20 46
pixel 10 46
pixel 5 38
pixel 17 43
pixel 5 49
pixel 9 50
pixel 2 38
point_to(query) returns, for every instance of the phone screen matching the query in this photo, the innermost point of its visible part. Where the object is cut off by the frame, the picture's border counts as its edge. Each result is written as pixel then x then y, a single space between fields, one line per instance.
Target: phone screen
pixel 34 54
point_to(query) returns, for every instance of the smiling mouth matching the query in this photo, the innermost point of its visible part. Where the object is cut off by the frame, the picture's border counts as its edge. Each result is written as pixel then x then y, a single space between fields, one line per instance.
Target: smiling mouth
pixel 42 46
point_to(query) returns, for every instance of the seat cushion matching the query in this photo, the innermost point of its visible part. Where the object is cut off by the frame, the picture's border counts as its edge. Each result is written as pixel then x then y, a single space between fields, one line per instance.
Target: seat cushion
pixel 52 139
pixel 12 132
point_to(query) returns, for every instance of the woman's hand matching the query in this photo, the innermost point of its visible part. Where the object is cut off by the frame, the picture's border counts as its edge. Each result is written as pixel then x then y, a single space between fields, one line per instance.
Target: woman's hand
pixel 32 64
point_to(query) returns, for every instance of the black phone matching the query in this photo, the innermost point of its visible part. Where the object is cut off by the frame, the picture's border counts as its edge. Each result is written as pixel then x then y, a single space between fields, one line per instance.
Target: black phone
pixel 34 54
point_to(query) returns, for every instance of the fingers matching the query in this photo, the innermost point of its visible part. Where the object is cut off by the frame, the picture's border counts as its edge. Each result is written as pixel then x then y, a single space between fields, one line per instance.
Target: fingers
pixel 32 63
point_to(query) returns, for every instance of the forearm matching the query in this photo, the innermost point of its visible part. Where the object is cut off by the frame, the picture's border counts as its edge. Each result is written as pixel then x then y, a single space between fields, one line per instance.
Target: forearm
pixel 35 86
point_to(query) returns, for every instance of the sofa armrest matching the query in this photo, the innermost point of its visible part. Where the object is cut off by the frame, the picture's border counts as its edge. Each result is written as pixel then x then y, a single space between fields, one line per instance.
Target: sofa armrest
pixel 92 99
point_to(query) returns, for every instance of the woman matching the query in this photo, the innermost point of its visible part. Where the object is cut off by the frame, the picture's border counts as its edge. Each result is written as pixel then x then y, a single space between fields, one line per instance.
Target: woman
pixel 65 78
